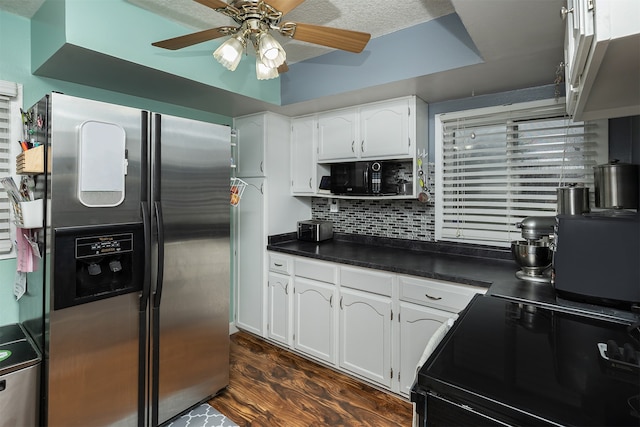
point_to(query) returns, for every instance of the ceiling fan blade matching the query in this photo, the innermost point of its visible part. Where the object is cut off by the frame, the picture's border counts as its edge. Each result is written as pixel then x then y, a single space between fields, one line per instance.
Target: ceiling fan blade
pixel 351 41
pixel 284 6
pixel 193 38
pixel 213 4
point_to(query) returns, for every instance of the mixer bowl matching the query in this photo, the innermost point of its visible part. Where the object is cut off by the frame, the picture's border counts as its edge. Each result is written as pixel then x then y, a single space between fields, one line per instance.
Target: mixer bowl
pixel 532 256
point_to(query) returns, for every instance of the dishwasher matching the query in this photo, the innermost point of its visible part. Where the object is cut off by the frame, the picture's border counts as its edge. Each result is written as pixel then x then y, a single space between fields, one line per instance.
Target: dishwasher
pixel 19 378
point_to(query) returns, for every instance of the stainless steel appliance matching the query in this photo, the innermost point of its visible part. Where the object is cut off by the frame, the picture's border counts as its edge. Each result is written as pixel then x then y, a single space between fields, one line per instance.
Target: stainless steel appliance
pixel 314 230
pixel 596 259
pixel 131 304
pixel 534 254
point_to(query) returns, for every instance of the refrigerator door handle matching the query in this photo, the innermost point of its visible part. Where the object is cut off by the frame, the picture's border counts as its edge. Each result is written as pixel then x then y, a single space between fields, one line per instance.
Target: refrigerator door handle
pixel 157 296
pixel 146 280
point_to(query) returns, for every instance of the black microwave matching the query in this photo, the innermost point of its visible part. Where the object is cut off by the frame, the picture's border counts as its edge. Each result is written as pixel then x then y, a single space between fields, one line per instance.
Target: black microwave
pixel 357 178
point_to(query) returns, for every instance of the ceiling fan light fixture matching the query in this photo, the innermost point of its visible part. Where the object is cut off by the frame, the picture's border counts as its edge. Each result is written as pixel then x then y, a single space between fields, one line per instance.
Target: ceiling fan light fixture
pixel 270 51
pixel 229 53
pixel 264 72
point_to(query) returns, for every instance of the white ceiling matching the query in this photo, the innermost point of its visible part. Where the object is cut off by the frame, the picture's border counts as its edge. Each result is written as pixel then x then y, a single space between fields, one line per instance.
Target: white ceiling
pixel 520 41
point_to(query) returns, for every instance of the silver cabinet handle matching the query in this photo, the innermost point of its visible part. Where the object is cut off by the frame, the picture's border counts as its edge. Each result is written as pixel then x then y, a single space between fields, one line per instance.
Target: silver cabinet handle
pixel 432 298
pixel 286 289
pixel 277 265
pixel 362 146
pixel 341 307
pixel 262 166
pixel 310 182
pixel 352 144
pixel 331 301
pixel 262 188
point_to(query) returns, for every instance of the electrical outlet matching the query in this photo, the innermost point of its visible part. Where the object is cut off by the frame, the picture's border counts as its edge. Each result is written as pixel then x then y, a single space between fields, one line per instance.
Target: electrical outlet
pixel 333 205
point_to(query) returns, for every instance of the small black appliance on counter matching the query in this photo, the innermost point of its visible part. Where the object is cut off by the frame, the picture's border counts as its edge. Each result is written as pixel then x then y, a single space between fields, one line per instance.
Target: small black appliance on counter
pixel 314 230
pixel 597 259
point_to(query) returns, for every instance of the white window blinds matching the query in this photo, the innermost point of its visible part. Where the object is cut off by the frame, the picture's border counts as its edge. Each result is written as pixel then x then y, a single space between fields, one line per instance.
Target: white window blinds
pixel 8 132
pixel 499 165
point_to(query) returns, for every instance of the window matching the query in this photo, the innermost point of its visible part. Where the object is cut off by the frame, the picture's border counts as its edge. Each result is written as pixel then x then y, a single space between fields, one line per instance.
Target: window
pixel 10 102
pixel 496 166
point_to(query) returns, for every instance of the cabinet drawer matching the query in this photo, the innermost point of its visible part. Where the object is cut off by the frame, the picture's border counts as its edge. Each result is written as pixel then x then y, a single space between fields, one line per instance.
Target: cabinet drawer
pixel 316 270
pixel 447 296
pixel 366 280
pixel 279 263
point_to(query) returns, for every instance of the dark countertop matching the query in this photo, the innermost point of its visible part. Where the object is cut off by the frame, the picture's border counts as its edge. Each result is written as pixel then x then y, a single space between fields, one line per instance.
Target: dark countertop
pixel 481 266
pixel 471 265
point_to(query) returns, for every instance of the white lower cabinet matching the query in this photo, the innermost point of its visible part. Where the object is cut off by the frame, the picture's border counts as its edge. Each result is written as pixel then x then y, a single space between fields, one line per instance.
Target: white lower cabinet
pixel 278 307
pixel 365 335
pixel 369 323
pixel 417 325
pixel 314 316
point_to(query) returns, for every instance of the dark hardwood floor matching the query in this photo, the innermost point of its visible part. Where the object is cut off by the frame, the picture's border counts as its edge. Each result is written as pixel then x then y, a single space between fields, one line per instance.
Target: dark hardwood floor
pixel 270 386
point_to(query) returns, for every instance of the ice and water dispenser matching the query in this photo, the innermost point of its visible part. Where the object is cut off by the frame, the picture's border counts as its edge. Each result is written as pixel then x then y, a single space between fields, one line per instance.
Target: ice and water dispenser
pixel 97 262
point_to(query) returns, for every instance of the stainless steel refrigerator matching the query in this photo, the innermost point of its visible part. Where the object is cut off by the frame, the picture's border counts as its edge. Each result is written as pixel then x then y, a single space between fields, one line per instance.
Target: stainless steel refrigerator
pixel 130 303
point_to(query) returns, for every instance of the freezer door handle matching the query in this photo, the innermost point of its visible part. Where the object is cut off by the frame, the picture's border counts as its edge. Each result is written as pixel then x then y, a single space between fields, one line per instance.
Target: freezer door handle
pixel 157 296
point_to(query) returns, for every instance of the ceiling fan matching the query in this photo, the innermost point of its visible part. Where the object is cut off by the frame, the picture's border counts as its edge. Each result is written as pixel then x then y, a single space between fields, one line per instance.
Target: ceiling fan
pixel 255 19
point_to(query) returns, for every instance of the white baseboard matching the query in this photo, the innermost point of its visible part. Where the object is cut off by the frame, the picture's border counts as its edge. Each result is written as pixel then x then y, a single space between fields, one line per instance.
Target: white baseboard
pixel 232 328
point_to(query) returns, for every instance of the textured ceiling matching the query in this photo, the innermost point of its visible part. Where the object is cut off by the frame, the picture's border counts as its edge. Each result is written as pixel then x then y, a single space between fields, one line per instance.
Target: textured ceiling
pixel 370 16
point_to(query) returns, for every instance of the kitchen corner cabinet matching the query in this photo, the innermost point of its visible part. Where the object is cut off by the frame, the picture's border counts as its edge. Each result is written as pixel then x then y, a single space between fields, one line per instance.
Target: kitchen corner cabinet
pixel 303 160
pixel 383 130
pixel 602 58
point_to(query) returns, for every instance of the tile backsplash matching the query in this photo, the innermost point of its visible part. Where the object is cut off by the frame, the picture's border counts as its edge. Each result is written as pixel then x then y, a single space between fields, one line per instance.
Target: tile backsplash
pixel 398 219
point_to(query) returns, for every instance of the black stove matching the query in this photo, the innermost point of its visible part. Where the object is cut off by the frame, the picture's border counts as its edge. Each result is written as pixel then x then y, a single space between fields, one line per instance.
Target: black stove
pixel 506 362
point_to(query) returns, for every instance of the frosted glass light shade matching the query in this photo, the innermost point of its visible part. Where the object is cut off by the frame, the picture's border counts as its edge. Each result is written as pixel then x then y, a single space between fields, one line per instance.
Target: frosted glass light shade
pixel 264 72
pixel 270 51
pixel 229 53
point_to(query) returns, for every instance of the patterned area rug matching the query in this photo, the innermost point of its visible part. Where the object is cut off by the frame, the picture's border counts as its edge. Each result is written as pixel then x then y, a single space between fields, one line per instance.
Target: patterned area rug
pixel 203 416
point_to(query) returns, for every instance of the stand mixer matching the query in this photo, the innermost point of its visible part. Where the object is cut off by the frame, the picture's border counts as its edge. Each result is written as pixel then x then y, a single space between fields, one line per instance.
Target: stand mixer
pixel 534 254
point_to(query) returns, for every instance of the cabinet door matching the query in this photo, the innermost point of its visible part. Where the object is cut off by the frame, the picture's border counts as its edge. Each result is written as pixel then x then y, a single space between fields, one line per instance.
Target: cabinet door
pixel 337 135
pixel 250 148
pixel 303 166
pixel 384 130
pixel 417 325
pixel 278 307
pixel 365 335
pixel 314 319
pixel 251 244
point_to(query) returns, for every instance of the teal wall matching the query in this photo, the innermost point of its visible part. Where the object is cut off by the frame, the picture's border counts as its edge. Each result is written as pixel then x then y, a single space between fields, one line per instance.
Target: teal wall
pixel 8 305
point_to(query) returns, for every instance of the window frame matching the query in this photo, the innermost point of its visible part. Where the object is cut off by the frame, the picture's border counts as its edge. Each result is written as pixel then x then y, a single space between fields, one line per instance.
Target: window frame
pixel 486 117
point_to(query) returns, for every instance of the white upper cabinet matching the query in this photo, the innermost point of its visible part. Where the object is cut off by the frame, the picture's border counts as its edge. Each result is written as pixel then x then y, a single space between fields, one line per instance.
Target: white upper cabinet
pixel 337 135
pixel 251 141
pixel 602 58
pixel 393 129
pixel 303 166
pixel 385 130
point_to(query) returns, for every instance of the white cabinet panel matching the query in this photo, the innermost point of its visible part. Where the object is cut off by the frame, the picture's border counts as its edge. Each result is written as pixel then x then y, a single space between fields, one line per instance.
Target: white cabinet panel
pixel 385 130
pixel 417 325
pixel 250 145
pixel 365 335
pixel 314 319
pixel 316 270
pixel 303 161
pixel 446 296
pixel 279 307
pixel 337 135
pixel 251 241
